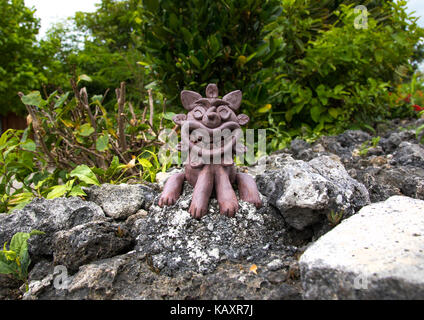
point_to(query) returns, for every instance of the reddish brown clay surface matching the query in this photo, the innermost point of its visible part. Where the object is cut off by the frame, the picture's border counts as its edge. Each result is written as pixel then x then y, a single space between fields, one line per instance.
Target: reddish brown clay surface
pixel 209 166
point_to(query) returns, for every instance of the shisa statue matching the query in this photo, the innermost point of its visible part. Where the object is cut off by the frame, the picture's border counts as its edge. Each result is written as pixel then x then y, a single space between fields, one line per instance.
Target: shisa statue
pixel 210 135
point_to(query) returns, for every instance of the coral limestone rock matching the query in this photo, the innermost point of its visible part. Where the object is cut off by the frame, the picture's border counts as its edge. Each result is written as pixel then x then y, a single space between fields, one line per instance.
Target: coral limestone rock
pixel 375 254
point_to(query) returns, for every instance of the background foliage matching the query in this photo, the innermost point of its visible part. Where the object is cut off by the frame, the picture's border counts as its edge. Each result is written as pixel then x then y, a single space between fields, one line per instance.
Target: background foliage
pixel 303 67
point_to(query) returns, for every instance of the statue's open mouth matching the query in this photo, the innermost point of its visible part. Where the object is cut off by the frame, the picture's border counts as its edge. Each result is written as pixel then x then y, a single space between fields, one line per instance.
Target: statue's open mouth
pixel 210 145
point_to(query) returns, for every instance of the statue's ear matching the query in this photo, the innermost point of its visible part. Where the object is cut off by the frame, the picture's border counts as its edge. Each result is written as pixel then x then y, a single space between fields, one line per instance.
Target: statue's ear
pixel 243 119
pixel 188 97
pixel 179 118
pixel 234 99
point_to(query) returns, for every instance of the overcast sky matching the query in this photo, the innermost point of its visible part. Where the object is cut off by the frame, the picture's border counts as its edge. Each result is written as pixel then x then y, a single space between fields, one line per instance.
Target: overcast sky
pixel 51 11
pixel 418 6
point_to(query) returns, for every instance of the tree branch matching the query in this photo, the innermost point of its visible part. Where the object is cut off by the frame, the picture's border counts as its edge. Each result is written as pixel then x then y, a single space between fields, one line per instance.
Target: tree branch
pixel 120 95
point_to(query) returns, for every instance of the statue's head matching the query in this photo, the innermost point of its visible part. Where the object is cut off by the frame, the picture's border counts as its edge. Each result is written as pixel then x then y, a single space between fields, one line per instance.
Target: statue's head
pixel 211 111
pixel 211 129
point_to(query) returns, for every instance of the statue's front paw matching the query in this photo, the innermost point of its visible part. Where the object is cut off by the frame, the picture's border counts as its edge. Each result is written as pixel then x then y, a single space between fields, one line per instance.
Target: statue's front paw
pixel 254 199
pixel 229 207
pixel 167 200
pixel 197 210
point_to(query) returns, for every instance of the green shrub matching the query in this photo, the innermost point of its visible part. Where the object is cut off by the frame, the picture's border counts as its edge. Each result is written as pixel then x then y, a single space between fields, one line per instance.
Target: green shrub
pixel 334 76
pixel 190 43
pixel 19 59
pixel 72 142
pixel 15 260
pixel 303 67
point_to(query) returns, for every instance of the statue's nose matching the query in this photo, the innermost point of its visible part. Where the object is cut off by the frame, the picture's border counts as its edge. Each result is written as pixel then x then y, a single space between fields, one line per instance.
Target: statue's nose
pixel 212 114
pixel 212 119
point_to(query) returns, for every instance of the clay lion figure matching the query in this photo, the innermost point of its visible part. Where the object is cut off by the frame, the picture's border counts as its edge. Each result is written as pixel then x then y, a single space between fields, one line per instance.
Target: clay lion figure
pixel 209 167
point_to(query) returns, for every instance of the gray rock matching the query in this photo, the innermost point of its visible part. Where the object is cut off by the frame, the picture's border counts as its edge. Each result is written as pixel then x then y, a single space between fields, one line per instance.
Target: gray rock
pixel 377 151
pixel 121 201
pixel 409 154
pixel 301 150
pixel 90 242
pixel 392 141
pixel 176 242
pixel 350 138
pixel 376 254
pixel 383 183
pixel 343 144
pixel 275 265
pixel 304 192
pixel 131 276
pixel 48 216
pixel 41 270
pixel 9 287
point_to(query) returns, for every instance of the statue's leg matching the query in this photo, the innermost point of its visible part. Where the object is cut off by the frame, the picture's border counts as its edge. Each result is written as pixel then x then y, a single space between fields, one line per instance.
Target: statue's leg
pixel 202 192
pixel 171 190
pixel 248 190
pixel 227 200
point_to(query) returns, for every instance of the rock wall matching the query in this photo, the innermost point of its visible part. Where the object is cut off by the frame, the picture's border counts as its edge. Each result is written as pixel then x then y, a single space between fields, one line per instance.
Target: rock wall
pixel 118 244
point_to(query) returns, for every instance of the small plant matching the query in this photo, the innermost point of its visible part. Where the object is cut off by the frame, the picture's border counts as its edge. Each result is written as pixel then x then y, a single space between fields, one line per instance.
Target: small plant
pixel 335 217
pixel 367 145
pixel 418 131
pixel 16 260
pixel 73 141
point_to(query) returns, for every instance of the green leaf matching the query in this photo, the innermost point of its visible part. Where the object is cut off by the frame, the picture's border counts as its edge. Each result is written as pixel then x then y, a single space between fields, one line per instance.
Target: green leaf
pixel 262 49
pixel 85 130
pixel 418 131
pixel 186 35
pixel 32 99
pixel 84 173
pixel 19 239
pixel 195 61
pixel 334 112
pixel 36 232
pixel 97 97
pixel 57 191
pixel 61 100
pixel 77 191
pixel 24 261
pixel 250 57
pixel 265 108
pixel 5 268
pixel 84 77
pixel 289 115
pixel 142 63
pixel 168 115
pixel 145 163
pixel 4 138
pixel 214 43
pixel 151 5
pixel 151 85
pixel 102 142
pixel 316 112
pixel 112 167
pixel 173 21
pixel 322 94
pixel 9 254
pixel 29 145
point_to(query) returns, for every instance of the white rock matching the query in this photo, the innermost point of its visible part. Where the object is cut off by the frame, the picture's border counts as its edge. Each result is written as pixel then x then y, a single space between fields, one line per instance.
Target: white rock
pixel 275 264
pixel 162 177
pixel 304 192
pixel 376 254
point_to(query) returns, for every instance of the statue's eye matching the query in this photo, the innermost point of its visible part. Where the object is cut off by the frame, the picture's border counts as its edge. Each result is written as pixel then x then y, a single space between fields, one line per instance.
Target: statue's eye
pixel 198 113
pixel 224 112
